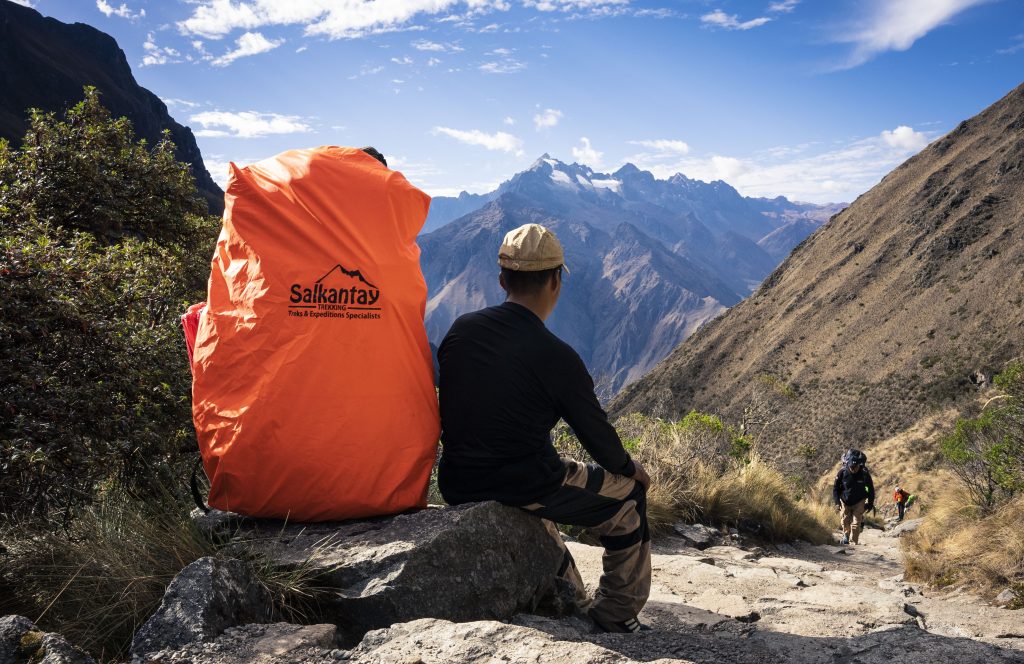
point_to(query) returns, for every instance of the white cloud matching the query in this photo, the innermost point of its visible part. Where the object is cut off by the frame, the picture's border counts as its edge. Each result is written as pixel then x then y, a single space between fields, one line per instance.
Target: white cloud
pixel 720 19
pixel 895 26
pixel 586 154
pixel 336 20
pixel 905 138
pixel 501 51
pixel 179 103
pixel 157 55
pixel 301 49
pixel 573 5
pixel 426 45
pixel 664 146
pixel 123 11
pixel 506 66
pixel 402 61
pixel 1010 50
pixel 247 124
pixel 784 6
pixel 433 62
pixel 509 120
pixel 547 118
pixel 497 141
pixel 799 172
pixel 251 43
pixel 366 70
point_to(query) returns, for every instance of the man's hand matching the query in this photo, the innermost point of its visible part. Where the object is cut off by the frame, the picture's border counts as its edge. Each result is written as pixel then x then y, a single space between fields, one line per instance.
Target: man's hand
pixel 641 476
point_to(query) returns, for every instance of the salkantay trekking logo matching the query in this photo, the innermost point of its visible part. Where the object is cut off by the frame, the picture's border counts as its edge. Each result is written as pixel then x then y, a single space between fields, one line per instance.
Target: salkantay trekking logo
pixel 341 293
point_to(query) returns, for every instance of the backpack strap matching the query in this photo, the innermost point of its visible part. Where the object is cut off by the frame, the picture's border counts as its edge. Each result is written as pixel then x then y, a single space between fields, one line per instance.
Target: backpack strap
pixel 197 497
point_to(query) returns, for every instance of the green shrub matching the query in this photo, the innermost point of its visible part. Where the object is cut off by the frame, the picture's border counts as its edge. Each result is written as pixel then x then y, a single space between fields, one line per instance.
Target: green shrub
pixel 986 453
pixel 102 244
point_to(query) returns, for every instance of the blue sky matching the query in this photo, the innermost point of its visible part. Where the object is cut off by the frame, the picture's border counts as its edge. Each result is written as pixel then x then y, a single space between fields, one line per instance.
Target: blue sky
pixel 812 99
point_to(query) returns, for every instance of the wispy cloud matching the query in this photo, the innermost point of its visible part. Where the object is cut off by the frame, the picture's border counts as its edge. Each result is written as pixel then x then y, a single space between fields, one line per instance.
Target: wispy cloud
pixel 895 26
pixel 586 154
pixel 250 43
pixel 573 5
pixel 547 118
pixel 366 70
pixel 719 19
pixel 158 55
pixel 783 6
pixel 402 61
pixel 247 124
pixel 664 146
pixel 1010 50
pixel 179 103
pixel 426 45
pixel 800 172
pixel 503 66
pixel 497 141
pixel 122 11
pixel 335 20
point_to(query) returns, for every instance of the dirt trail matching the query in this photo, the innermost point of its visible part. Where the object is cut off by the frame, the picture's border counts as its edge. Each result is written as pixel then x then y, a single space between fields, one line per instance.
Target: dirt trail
pixel 805 603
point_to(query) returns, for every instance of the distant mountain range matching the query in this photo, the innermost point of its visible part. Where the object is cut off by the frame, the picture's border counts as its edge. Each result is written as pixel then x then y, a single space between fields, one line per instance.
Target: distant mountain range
pixel 45 64
pixel 904 303
pixel 651 260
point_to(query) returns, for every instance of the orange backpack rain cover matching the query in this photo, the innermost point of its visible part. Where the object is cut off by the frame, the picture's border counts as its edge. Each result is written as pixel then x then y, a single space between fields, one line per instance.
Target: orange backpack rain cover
pixel 313 392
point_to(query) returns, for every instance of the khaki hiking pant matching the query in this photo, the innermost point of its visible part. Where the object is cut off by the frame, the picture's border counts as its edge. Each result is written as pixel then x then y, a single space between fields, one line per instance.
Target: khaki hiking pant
pixel 614 508
pixel 853 519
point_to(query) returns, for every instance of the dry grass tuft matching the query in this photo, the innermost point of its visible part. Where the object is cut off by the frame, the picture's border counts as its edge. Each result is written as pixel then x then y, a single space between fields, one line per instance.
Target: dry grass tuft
pixel 959 545
pixel 98 581
pixel 702 471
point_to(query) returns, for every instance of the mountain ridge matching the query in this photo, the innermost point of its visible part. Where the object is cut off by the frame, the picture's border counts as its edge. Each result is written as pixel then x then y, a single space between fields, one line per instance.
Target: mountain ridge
pixel 45 64
pixel 906 301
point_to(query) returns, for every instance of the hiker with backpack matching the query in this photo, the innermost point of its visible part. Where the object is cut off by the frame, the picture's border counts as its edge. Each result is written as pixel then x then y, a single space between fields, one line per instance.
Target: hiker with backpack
pixel 901 498
pixel 853 493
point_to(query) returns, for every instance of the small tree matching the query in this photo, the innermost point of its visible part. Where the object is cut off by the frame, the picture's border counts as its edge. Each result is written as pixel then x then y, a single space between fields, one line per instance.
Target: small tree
pixel 986 453
pixel 102 242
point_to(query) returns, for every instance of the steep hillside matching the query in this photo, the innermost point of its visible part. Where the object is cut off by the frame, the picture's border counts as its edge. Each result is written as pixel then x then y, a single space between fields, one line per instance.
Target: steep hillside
pixel 896 308
pixel 45 64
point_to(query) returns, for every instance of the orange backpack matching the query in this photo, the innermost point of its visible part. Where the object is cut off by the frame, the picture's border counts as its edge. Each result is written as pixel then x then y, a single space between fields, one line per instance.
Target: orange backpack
pixel 313 393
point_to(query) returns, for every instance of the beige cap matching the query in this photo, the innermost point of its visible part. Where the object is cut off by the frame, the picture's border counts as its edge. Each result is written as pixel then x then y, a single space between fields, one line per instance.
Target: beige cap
pixel 531 248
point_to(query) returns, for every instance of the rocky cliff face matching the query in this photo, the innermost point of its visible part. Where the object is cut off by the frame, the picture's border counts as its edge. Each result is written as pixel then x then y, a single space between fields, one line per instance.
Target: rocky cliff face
pixel 45 64
pixel 903 302
pixel 652 260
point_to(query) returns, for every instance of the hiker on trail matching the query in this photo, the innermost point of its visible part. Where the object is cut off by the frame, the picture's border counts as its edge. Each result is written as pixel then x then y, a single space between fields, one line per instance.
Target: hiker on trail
pixel 505 380
pixel 854 494
pixel 900 497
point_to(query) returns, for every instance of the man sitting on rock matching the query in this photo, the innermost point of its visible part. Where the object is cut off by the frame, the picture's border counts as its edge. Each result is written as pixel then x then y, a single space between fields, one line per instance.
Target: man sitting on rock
pixel 505 380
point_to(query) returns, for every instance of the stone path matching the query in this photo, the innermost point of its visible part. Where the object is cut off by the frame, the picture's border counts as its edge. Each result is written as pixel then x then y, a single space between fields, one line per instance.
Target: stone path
pixel 792 604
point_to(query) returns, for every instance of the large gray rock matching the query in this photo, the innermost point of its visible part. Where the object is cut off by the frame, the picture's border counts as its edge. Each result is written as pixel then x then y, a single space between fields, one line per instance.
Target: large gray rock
pixel 21 643
pixel 472 562
pixel 206 597
pixel 697 535
pixel 904 528
pixel 12 629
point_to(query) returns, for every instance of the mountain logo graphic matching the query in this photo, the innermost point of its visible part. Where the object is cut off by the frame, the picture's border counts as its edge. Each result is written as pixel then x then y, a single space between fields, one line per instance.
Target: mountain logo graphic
pixel 339 293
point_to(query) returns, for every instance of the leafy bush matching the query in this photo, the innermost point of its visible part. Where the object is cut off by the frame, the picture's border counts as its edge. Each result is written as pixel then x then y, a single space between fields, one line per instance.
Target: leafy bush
pixel 986 453
pixel 102 243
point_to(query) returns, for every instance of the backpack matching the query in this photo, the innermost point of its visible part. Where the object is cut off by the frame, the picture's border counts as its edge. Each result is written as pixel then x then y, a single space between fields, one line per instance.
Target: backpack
pixel 852 456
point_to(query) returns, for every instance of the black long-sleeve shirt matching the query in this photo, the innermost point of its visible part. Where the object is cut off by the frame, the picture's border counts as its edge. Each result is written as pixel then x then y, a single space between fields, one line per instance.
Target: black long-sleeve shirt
pixel 852 488
pixel 505 380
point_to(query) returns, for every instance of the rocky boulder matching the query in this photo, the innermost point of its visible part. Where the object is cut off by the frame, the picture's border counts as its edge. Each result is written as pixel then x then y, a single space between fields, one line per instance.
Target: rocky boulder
pixel 472 562
pixel 21 643
pixel 206 597
pixel 904 528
